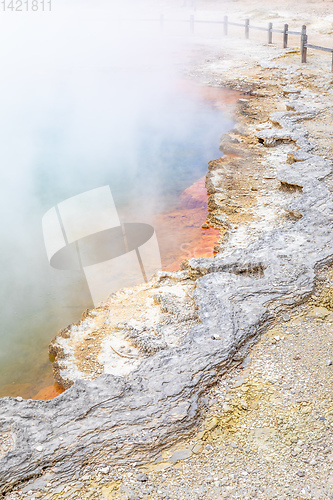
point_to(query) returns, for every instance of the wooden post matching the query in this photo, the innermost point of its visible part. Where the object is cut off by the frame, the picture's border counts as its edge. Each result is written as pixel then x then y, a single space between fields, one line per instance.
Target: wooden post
pixel 304 41
pixel 305 48
pixel 225 25
pixel 270 33
pixel 192 24
pixel 247 28
pixel 285 36
pixel 162 22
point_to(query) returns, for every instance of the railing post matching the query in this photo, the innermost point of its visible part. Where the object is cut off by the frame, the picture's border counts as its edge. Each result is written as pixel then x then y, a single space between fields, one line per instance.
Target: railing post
pixel 192 24
pixel 305 48
pixel 161 22
pixel 285 36
pixel 270 33
pixel 304 41
pixel 247 28
pixel 225 25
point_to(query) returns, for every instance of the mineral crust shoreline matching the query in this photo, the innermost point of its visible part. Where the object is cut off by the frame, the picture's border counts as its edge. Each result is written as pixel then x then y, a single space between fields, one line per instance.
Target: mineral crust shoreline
pixel 237 295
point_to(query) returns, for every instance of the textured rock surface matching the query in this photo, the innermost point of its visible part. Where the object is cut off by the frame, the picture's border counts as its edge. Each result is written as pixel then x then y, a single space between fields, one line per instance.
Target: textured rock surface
pixel 237 296
pixel 134 323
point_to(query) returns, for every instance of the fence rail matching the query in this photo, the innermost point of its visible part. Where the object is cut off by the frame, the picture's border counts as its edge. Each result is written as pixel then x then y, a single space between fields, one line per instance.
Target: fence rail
pixel 317 47
pixel 304 45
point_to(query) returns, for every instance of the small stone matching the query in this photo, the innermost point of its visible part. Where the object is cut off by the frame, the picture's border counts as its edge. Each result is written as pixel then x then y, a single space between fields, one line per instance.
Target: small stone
pixel 319 313
pixel 104 470
pixel 216 337
pixel 209 447
pixel 329 362
pixel 300 473
pixel 286 317
pixel 180 455
pixel 244 405
pixel 226 407
pixel 39 448
pixel 19 398
pixel 142 477
pixel 197 448
pixel 213 423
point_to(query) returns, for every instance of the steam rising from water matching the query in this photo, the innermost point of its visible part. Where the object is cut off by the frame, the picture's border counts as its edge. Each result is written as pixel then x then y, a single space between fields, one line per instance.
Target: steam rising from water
pixel 87 98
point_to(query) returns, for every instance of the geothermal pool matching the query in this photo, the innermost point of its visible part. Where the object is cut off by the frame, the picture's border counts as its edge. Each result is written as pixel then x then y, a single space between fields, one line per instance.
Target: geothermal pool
pixel 152 153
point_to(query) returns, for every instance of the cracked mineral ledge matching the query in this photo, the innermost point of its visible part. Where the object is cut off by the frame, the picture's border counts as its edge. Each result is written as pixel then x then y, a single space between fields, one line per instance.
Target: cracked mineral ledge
pixel 141 362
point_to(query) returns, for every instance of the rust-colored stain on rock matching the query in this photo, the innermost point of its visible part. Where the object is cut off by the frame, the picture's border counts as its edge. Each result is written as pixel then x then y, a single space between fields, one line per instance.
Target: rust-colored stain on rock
pixel 50 392
pixel 179 232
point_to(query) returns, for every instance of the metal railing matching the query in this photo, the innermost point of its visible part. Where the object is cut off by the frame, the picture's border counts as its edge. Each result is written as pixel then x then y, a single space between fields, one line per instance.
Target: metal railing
pixel 304 45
